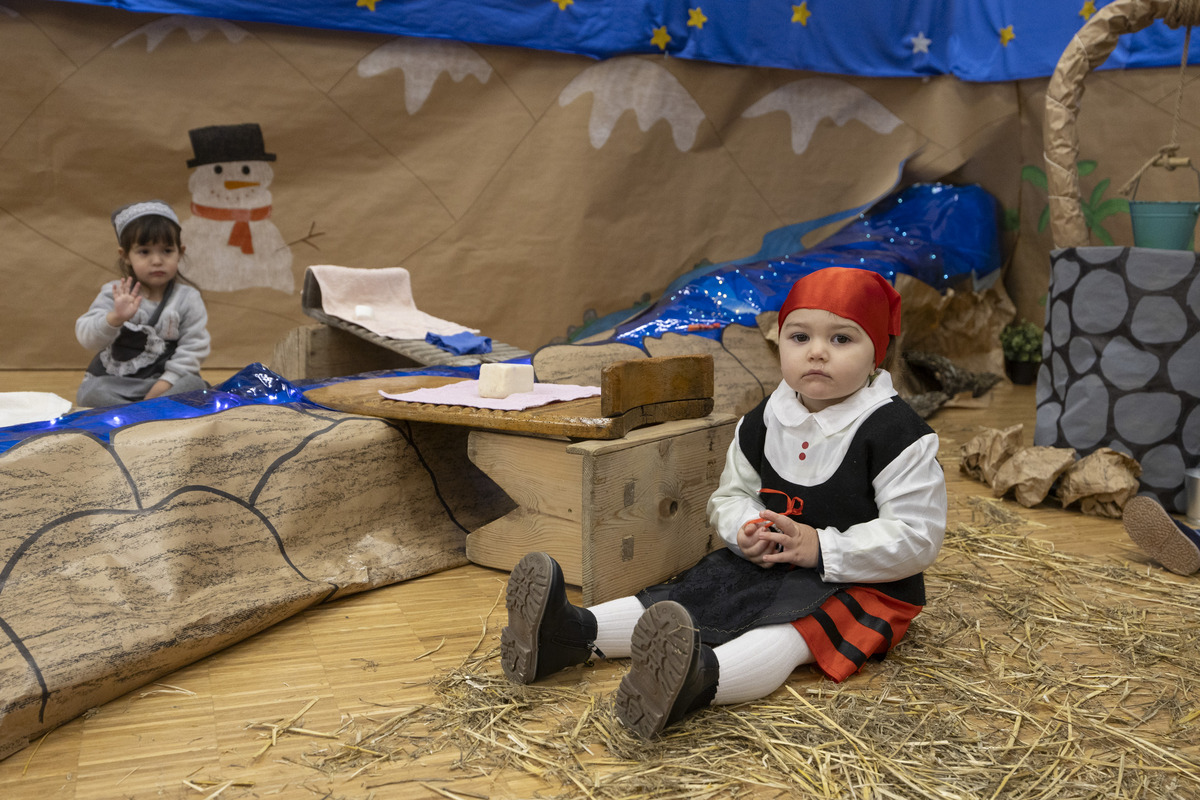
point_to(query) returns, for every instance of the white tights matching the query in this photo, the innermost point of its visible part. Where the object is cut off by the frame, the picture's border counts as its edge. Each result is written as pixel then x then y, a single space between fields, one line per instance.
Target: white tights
pixel 751 666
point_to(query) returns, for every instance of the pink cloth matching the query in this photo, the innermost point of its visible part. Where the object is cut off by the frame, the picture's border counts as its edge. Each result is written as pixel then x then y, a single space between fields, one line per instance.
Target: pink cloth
pixel 379 300
pixel 466 393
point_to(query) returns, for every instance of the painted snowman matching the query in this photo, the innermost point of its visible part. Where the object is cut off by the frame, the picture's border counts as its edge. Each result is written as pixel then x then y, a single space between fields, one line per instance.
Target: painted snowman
pixel 231 242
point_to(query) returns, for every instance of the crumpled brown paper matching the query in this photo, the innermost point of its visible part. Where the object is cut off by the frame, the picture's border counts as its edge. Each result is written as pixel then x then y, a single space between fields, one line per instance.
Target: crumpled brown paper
pixel 964 326
pixel 1102 481
pixel 1031 472
pixel 983 456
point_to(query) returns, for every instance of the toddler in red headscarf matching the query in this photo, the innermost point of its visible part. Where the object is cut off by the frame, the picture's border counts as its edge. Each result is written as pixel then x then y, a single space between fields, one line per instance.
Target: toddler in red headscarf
pixel 831 504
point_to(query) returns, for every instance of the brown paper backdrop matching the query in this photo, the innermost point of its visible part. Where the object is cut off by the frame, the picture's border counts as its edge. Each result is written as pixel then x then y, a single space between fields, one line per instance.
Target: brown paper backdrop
pixel 520 188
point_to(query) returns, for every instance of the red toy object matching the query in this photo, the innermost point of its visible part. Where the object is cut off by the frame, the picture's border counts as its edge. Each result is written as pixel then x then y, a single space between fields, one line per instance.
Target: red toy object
pixel 795 505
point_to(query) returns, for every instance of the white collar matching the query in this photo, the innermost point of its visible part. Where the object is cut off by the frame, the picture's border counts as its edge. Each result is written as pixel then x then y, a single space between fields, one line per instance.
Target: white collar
pixel 788 409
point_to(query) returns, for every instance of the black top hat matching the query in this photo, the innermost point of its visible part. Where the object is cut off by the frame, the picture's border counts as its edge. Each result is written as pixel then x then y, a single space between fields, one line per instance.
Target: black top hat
pixel 220 143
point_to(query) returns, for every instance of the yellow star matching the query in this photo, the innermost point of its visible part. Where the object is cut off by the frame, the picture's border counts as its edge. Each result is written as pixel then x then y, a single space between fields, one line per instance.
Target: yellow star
pixel 801 13
pixel 1007 35
pixel 562 4
pixel 696 18
pixel 368 3
pixel 1088 9
pixel 660 38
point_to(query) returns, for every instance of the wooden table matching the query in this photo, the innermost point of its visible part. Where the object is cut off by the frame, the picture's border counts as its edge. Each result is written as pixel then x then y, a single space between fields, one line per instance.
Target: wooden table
pixel 633 394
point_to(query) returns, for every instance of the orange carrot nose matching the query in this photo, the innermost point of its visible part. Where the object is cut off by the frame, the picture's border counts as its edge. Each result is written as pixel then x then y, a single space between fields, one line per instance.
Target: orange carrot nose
pixel 240 184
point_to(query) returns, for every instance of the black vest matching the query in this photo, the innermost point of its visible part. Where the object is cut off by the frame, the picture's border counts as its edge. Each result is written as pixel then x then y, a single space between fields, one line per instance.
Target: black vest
pixel 727 595
pixel 848 497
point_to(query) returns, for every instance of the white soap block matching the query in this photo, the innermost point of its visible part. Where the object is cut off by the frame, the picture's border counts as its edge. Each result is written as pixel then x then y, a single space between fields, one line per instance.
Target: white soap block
pixel 364 312
pixel 501 380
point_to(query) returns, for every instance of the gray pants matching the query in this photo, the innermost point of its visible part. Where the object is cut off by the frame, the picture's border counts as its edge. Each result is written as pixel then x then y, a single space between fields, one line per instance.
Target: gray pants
pixel 99 391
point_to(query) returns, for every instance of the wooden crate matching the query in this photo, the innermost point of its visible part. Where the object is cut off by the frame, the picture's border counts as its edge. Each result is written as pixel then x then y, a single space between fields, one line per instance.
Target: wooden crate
pixel 617 514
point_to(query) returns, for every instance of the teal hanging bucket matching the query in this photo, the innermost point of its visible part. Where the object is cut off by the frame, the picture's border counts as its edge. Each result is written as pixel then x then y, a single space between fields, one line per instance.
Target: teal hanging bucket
pixel 1165 225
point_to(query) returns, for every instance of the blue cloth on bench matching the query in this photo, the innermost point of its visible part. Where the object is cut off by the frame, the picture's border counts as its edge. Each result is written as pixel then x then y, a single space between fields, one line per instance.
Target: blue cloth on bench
pixel 460 344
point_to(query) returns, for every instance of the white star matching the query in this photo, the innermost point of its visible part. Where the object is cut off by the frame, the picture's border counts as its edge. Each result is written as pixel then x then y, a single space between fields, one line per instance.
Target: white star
pixel 920 44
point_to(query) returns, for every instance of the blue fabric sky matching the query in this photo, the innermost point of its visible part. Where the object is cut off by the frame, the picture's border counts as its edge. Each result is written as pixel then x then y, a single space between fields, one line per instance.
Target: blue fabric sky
pixel 975 40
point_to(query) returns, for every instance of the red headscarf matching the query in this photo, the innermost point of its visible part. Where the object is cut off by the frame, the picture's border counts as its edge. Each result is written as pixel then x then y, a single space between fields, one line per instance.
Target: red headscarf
pixel 859 295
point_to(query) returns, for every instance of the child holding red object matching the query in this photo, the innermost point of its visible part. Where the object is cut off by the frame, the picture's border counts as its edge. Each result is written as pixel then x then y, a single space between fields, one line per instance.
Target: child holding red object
pixel 831 505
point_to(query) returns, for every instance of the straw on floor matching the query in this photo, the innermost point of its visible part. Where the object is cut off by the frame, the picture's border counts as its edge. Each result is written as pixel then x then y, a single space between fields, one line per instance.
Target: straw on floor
pixel 1031 674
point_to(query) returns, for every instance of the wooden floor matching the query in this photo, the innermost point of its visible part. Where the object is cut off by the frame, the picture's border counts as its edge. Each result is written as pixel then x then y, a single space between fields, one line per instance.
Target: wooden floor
pixel 370 657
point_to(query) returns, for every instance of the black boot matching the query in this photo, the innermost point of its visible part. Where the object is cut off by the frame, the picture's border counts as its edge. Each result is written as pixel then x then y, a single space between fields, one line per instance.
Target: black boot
pixel 545 632
pixel 672 675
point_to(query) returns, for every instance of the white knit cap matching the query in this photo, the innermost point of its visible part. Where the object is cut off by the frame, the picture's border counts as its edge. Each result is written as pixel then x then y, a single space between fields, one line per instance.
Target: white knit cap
pixel 127 214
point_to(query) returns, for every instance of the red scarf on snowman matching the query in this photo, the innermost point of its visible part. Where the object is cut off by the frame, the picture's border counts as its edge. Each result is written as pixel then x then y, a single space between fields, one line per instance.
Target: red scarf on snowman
pixel 240 236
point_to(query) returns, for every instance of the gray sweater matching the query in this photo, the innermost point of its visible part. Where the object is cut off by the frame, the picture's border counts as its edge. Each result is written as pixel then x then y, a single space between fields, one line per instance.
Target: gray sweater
pixel 185 319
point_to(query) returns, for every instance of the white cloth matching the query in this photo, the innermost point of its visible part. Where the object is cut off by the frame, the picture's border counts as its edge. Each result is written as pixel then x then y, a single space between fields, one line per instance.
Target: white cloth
pixel 910 492
pixel 379 300
pixel 466 393
pixel 21 408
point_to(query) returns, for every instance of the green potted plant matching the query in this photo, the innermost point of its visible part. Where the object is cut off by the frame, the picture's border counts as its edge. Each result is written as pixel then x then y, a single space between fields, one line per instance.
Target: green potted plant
pixel 1021 342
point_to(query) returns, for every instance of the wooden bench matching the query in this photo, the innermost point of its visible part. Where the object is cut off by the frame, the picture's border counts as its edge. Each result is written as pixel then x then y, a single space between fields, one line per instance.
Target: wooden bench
pixel 337 346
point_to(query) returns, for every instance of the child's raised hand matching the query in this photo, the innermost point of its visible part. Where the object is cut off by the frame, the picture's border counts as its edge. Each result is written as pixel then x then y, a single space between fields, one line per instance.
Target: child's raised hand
pixel 127 298
pixel 781 540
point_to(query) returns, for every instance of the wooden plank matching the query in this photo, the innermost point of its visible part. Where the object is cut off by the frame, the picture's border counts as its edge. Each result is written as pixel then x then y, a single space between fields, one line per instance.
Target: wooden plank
pixel 540 475
pixel 573 418
pixel 745 364
pixel 501 544
pixel 627 385
pixel 577 419
pixel 545 482
pixel 653 433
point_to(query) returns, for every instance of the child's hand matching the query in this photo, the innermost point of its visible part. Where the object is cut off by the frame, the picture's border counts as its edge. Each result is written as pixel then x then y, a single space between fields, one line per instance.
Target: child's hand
pixel 127 298
pixel 752 544
pixel 157 389
pixel 783 540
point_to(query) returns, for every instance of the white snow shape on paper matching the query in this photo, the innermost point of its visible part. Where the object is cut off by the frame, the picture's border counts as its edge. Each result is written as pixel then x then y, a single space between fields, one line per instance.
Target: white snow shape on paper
pixel 809 101
pixel 196 27
pixel 422 61
pixel 632 84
